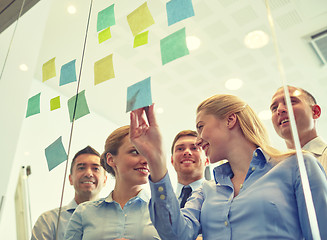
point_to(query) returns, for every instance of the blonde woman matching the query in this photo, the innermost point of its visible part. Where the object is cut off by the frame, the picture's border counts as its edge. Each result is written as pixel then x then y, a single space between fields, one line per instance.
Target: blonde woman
pixel 124 213
pixel 257 194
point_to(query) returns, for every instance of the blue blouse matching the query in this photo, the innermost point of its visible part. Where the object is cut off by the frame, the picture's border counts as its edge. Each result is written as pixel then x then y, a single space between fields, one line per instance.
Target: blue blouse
pixel 105 219
pixel 270 204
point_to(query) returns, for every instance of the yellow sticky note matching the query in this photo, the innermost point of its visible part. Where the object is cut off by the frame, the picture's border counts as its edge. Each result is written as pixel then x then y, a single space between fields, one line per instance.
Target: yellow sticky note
pixel 48 70
pixel 141 39
pixel 104 35
pixel 55 103
pixel 140 19
pixel 103 70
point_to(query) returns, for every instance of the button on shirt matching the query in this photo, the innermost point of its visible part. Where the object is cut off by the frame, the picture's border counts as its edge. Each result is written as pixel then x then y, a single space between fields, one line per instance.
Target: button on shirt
pixel 105 219
pixel 46 225
pixel 270 205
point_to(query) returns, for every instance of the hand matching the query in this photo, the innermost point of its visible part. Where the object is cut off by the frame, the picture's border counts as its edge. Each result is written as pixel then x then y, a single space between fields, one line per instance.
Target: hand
pixel 146 137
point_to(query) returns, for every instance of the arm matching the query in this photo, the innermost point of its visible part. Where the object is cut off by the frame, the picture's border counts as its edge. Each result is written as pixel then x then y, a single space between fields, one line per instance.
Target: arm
pixel 43 228
pixel 318 186
pixel 75 229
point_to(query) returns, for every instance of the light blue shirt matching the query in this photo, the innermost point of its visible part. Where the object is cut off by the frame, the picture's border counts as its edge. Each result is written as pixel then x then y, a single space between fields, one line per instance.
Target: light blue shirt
pixel 105 219
pixel 194 185
pixel 270 204
pixel 46 225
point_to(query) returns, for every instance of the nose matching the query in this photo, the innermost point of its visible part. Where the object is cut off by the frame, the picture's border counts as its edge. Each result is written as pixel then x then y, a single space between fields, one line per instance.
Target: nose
pixel 187 151
pixel 89 172
pixel 199 141
pixel 143 160
pixel 281 109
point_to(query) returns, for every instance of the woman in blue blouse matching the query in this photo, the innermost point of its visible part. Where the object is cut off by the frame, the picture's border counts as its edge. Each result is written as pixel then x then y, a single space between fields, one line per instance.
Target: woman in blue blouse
pixel 257 194
pixel 124 213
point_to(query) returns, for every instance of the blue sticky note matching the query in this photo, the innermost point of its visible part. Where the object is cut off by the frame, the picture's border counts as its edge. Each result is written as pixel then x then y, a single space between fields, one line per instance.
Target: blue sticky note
pixel 178 10
pixel 139 95
pixel 173 46
pixel 33 105
pixel 68 73
pixel 55 154
pixel 106 18
pixel 81 106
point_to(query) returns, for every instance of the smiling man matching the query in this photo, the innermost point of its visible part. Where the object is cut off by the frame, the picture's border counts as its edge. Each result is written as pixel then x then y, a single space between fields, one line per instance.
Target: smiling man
pixel 306 112
pixel 88 178
pixel 189 162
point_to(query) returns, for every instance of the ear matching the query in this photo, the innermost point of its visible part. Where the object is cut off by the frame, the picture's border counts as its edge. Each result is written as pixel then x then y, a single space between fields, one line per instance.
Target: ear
pixel 231 120
pixel 105 179
pixel 206 163
pixel 316 111
pixel 70 179
pixel 172 160
pixel 110 160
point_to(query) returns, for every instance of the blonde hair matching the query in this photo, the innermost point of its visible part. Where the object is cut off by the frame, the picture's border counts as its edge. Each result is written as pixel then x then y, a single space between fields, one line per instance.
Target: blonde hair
pixel 112 145
pixel 223 105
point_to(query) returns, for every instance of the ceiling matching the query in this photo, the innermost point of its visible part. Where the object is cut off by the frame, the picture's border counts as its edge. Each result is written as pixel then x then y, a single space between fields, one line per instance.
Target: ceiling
pixel 179 86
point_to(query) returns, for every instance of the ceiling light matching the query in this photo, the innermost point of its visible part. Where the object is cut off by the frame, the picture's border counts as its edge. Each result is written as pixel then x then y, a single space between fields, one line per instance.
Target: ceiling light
pixel 256 39
pixel 192 42
pixel 265 115
pixel 71 9
pixel 159 110
pixel 23 67
pixel 233 84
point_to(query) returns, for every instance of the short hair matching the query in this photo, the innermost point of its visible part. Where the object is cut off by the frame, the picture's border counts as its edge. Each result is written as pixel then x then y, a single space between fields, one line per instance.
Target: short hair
pixel 309 97
pixel 112 145
pixel 86 150
pixel 183 133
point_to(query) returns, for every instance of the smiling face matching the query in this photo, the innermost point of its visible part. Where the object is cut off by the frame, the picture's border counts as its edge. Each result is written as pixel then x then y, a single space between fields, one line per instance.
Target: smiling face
pixel 304 113
pixel 213 136
pixel 87 177
pixel 188 159
pixel 130 167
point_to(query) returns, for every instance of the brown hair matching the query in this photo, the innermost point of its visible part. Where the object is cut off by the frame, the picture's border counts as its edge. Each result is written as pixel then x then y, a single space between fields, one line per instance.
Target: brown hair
pixel 86 150
pixel 183 133
pixel 112 145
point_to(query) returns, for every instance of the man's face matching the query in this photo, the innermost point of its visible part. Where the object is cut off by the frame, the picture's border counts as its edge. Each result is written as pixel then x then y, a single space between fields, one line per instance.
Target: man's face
pixel 303 113
pixel 188 158
pixel 88 177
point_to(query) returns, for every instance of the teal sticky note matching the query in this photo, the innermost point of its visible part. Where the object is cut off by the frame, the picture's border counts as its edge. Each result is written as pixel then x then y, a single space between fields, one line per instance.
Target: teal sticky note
pixel 68 73
pixel 139 95
pixel 173 46
pixel 81 106
pixel 33 105
pixel 106 18
pixel 178 10
pixel 55 154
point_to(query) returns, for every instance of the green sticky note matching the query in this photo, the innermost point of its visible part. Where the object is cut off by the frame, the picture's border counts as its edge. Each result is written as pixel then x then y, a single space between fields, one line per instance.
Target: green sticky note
pixel 104 35
pixel 141 39
pixel 106 18
pixel 33 105
pixel 81 106
pixel 140 19
pixel 55 103
pixel 48 70
pixel 55 154
pixel 173 46
pixel 103 70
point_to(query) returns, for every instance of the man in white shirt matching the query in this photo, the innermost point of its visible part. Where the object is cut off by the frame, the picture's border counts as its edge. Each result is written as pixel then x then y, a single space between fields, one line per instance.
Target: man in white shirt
pixel 88 178
pixel 189 162
pixel 306 112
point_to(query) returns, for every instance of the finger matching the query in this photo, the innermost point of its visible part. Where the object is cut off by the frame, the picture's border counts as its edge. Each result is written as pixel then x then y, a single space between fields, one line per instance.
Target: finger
pixel 133 125
pixel 151 116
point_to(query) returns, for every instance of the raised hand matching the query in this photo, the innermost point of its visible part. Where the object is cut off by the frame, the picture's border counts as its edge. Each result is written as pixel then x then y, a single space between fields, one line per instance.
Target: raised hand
pixel 145 136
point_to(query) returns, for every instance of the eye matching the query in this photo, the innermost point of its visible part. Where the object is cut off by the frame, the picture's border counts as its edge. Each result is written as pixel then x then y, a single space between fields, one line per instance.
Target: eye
pixel 273 109
pixel 96 169
pixel 134 151
pixel 195 148
pixel 179 149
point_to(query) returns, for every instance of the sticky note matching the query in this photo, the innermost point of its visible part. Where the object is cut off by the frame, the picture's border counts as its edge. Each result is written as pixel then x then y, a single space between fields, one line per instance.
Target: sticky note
pixel 140 19
pixel 173 46
pixel 68 73
pixel 33 105
pixel 55 154
pixel 48 70
pixel 55 103
pixel 178 10
pixel 141 39
pixel 81 107
pixel 103 70
pixel 139 95
pixel 106 18
pixel 104 35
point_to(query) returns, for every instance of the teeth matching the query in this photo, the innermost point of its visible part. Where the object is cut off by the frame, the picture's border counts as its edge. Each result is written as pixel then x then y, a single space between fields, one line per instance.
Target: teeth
pixel 187 161
pixel 88 182
pixel 143 170
pixel 284 121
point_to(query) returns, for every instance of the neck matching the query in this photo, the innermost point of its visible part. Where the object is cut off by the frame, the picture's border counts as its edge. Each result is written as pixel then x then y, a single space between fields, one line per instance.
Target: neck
pixel 84 198
pixel 122 193
pixel 186 180
pixel 304 139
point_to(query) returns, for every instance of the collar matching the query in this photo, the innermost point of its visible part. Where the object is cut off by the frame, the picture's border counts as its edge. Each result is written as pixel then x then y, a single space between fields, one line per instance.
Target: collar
pixel 316 146
pixel 142 195
pixel 71 206
pixel 223 171
pixel 194 185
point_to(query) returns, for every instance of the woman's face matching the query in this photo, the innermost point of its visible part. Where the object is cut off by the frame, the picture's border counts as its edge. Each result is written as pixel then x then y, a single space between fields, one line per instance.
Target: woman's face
pixel 213 136
pixel 129 165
